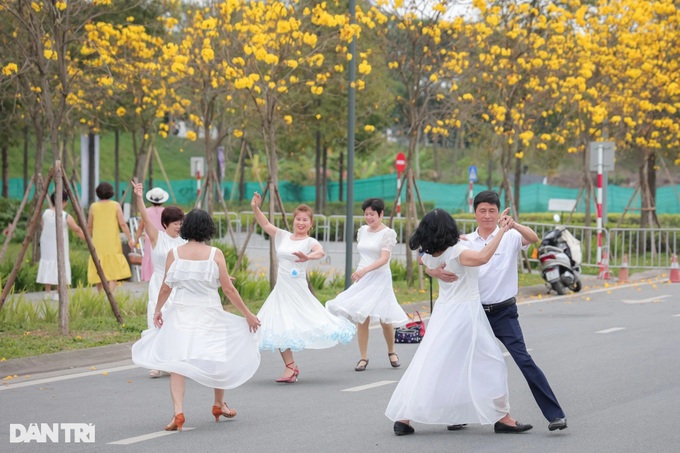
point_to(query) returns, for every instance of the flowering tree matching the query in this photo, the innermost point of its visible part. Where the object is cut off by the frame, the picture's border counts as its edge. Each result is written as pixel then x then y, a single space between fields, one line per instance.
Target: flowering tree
pixel 422 52
pixel 49 30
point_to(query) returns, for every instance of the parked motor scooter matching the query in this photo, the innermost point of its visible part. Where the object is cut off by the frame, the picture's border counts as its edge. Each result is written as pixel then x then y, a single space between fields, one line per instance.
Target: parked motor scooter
pixel 559 257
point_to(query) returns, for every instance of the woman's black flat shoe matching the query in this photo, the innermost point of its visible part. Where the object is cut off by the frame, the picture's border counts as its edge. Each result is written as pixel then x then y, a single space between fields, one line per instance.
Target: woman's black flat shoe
pixel 402 429
pixel 361 367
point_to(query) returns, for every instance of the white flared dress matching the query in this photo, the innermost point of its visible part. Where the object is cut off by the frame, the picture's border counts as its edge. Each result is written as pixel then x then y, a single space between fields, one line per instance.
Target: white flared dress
pixel 373 295
pixel 159 256
pixel 291 317
pixel 198 339
pixel 458 374
pixel 47 267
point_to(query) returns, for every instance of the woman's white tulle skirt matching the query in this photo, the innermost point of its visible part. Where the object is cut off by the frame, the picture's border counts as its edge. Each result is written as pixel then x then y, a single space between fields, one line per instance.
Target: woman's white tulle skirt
pixel 207 344
pixel 372 296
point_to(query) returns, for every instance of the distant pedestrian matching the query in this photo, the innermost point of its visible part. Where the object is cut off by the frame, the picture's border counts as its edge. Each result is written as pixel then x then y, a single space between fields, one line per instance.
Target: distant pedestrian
pixel 372 295
pixel 47 268
pixel 103 222
pixel 156 197
pixel 292 318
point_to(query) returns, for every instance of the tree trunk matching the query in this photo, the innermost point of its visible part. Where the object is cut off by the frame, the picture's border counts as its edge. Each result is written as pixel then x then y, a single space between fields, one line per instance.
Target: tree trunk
pixel 39 184
pixel 518 185
pixel 5 170
pixel 317 173
pixel 648 190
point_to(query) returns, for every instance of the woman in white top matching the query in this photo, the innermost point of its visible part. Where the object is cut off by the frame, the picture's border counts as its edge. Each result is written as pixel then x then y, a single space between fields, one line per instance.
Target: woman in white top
pixel 196 337
pixel 458 374
pixel 372 295
pixel 292 318
pixel 161 242
pixel 47 268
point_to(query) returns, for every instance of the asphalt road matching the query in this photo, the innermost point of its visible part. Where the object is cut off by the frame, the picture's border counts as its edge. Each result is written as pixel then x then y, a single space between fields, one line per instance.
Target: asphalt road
pixel 610 354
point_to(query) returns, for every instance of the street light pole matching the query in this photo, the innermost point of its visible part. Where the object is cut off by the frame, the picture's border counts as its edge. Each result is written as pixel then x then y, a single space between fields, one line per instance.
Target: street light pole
pixel 351 99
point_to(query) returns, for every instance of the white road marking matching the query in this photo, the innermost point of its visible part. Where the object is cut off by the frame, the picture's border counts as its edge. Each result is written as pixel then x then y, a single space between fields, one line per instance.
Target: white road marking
pixel 11 385
pixel 144 437
pixel 678 315
pixel 369 386
pixel 613 329
pixel 646 301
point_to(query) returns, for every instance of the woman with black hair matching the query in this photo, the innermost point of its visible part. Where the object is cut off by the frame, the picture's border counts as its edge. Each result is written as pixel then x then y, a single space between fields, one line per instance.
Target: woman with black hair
pixel 458 374
pixel 103 221
pixel 195 337
pixel 371 297
pixel 160 242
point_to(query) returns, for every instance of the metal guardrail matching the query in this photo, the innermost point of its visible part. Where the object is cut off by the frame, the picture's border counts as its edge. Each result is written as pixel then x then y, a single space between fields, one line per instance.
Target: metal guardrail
pixel 646 248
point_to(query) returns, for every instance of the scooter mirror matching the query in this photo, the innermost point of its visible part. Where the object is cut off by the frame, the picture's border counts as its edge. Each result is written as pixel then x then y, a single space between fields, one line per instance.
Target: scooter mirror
pixel 556 218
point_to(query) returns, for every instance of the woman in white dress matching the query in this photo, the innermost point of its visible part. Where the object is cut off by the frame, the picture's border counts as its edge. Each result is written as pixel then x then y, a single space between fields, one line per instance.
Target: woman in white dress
pixel 195 337
pixel 458 374
pixel 292 318
pixel 372 296
pixel 47 267
pixel 160 242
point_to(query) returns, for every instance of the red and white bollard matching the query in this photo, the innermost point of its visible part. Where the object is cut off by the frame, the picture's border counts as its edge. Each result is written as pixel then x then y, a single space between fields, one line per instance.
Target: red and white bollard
pixel 675 270
pixel 604 267
pixel 623 273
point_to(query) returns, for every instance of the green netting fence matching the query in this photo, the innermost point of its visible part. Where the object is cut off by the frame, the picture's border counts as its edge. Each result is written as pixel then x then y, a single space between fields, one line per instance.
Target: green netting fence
pixel 451 197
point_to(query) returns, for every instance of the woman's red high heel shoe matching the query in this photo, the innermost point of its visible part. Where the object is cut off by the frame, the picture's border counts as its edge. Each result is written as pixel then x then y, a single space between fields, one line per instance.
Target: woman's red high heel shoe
pixel 217 411
pixel 293 377
pixel 177 423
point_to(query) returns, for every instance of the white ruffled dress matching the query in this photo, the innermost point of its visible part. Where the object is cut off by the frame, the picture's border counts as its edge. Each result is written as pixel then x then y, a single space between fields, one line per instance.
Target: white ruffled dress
pixel 198 339
pixel 159 256
pixel 373 295
pixel 458 374
pixel 291 317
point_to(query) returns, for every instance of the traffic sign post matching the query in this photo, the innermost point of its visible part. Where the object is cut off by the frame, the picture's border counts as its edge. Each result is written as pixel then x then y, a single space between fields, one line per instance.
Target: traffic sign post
pixel 472 178
pixel 400 165
pixel 601 160
pixel 197 169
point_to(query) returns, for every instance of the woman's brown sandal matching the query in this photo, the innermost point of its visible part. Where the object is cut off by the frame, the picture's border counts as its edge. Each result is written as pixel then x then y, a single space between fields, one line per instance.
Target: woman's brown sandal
pixel 394 363
pixel 360 367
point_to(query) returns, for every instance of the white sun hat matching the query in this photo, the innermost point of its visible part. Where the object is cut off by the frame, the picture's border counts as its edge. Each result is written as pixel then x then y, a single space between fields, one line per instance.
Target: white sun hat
pixel 157 195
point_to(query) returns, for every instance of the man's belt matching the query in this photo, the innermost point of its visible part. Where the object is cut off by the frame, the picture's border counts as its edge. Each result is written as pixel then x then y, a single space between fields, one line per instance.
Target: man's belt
pixel 490 308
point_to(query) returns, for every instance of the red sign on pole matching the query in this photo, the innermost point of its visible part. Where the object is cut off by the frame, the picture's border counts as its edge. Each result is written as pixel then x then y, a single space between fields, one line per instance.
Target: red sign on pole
pixel 400 162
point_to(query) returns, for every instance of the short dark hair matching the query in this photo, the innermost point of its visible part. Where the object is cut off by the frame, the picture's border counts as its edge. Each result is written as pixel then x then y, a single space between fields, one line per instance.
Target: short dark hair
pixel 376 204
pixel 64 196
pixel 197 226
pixel 435 233
pixel 104 191
pixel 171 214
pixel 487 196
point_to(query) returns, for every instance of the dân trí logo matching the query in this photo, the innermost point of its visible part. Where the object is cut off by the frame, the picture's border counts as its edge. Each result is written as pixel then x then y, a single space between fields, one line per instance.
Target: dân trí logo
pixel 51 432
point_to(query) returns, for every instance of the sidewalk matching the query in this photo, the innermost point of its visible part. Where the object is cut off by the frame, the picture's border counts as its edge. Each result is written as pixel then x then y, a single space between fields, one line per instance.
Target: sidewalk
pixel 120 353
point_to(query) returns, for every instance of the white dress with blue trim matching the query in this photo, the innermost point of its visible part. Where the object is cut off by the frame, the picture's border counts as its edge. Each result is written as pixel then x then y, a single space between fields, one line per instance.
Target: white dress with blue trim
pixel 291 317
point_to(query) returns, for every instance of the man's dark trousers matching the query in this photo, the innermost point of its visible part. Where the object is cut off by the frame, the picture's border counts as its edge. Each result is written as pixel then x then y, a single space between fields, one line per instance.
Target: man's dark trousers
pixel 505 325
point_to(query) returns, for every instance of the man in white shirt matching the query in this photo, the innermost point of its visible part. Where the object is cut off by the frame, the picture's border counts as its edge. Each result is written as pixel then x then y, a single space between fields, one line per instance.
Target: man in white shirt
pixel 498 286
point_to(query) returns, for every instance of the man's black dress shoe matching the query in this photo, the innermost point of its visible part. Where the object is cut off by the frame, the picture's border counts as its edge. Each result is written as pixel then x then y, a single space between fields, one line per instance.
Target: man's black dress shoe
pixel 456 427
pixel 503 428
pixel 558 423
pixel 402 429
